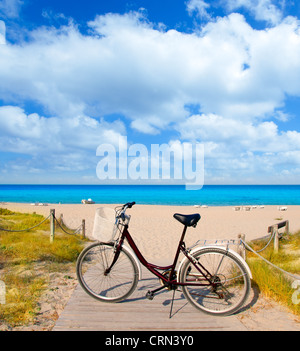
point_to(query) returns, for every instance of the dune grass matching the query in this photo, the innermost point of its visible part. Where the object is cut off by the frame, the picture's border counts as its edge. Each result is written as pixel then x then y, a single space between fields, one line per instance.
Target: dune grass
pixel 271 282
pixel 26 259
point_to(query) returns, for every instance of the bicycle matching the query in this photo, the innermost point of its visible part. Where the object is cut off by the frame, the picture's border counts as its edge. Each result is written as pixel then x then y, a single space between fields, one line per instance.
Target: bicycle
pixel 215 280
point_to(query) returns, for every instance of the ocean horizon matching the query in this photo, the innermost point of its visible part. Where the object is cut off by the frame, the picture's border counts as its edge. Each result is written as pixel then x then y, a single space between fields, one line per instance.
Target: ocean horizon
pixel 210 195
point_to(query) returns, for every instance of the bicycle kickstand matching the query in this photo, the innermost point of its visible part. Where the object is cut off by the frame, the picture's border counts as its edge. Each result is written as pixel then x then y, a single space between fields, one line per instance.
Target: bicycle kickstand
pixel 150 296
pixel 170 315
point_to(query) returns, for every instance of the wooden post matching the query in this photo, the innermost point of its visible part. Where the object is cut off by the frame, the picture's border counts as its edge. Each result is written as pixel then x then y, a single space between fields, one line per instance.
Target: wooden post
pixel 276 238
pixel 2 293
pixel 241 248
pixel 83 228
pixel 287 227
pixel 52 225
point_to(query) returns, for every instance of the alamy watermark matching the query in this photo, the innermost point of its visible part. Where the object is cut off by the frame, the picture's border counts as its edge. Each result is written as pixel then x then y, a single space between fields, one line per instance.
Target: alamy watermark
pixel 296 294
pixel 173 163
pixel 2 33
pixel 2 293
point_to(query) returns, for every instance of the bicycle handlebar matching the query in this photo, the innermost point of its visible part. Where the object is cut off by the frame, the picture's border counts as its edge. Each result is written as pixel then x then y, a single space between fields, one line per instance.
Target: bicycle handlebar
pixel 129 204
pixel 120 210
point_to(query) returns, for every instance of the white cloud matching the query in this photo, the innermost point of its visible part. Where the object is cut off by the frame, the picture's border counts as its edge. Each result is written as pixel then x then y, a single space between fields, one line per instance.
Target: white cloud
pixel 253 149
pixel 262 10
pixel 237 75
pixel 243 136
pixel 198 6
pixel 41 137
pixel 10 8
pixel 2 32
pixel 126 66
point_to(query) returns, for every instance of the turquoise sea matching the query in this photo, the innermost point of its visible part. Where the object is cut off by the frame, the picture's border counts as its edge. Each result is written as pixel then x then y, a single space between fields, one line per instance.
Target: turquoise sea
pixel 211 195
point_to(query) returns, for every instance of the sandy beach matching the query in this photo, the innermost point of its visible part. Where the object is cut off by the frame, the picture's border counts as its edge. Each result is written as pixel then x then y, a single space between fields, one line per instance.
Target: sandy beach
pixel 156 232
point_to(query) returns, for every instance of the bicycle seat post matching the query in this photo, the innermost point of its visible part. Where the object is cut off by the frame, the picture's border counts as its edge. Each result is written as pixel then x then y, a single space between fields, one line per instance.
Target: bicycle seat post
pixel 178 250
pixel 150 294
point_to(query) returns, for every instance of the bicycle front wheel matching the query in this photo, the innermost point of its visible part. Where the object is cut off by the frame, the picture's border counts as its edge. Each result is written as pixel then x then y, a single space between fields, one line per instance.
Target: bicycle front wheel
pixel 226 282
pixel 115 286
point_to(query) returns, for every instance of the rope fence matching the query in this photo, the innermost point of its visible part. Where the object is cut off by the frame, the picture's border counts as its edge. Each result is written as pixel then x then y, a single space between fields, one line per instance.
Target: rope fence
pixel 24 230
pixel 61 224
pixel 53 222
pixel 275 236
pixel 249 248
pixel 241 244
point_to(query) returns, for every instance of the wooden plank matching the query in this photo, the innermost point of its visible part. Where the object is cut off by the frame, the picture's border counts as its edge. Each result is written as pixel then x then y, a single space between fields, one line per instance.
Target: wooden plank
pixel 84 313
pixel 280 225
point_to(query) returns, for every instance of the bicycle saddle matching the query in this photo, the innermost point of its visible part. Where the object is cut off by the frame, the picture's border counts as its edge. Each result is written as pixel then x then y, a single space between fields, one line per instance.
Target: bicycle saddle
pixel 188 220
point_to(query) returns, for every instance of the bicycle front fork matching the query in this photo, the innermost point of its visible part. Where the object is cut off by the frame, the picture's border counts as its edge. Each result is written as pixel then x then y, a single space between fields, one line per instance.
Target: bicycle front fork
pixel 117 254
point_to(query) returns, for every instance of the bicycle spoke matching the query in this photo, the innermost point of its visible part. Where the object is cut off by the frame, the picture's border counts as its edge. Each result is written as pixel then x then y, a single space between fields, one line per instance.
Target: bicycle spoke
pixel 229 282
pixel 114 286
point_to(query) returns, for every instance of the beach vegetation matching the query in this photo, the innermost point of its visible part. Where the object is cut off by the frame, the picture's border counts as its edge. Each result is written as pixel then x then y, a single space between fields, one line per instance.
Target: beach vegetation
pixel 20 221
pixel 26 261
pixel 272 282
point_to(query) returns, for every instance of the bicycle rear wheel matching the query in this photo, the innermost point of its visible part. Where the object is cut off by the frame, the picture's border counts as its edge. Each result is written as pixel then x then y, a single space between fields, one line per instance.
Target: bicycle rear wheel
pixel 228 286
pixel 115 286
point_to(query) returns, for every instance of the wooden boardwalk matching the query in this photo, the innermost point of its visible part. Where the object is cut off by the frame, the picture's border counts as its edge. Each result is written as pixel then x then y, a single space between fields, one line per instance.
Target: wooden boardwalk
pixel 84 313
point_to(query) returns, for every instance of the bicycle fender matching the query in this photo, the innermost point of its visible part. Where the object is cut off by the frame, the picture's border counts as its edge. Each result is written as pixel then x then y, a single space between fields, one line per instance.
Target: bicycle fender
pixel 198 248
pixel 136 260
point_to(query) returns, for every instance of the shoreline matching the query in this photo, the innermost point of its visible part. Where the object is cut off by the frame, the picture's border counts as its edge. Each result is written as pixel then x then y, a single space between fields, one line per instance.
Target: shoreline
pixel 163 195
pixel 45 204
pixel 142 204
pixel 156 232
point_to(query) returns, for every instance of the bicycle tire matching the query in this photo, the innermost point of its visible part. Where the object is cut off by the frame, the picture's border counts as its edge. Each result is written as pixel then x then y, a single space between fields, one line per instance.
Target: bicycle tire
pixel 113 287
pixel 232 282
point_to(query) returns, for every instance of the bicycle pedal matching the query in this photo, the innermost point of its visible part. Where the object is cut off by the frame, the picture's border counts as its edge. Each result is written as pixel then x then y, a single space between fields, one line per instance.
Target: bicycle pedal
pixel 150 295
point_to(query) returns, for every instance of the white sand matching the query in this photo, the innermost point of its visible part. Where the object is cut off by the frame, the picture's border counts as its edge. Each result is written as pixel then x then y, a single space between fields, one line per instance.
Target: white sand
pixel 156 232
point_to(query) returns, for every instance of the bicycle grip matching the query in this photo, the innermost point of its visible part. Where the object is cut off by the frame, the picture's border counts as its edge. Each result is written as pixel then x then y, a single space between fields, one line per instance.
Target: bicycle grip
pixel 130 204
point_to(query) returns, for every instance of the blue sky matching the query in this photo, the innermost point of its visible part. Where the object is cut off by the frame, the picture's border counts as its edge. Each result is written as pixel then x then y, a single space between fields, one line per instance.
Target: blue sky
pixel 76 74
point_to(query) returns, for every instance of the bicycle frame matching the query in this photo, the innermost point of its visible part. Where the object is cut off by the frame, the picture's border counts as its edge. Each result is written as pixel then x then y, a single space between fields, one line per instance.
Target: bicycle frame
pixel 154 269
pixel 214 279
